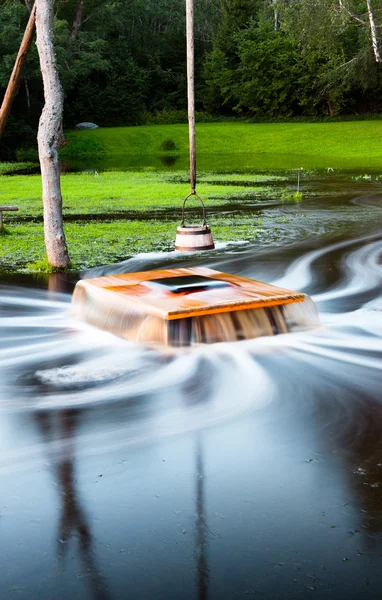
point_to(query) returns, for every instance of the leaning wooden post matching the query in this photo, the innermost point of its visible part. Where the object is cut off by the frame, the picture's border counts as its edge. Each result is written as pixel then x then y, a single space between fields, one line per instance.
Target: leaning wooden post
pixel 50 137
pixel 191 90
pixel 14 81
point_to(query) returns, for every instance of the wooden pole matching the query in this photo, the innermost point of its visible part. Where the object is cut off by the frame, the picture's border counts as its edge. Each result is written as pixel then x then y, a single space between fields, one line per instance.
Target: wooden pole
pixel 14 80
pixel 191 90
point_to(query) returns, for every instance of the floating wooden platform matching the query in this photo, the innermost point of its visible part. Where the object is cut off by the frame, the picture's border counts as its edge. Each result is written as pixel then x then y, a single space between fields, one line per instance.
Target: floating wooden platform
pixel 144 291
pixel 175 305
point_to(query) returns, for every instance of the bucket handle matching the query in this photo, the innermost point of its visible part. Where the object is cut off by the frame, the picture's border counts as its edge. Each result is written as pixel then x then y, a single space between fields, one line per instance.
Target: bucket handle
pixel 201 202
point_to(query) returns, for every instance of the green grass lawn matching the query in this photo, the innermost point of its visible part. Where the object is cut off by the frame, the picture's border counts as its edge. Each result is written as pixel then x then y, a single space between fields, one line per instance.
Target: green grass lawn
pixel 227 146
pixel 147 207
pixel 95 243
pixel 110 192
pixel 113 214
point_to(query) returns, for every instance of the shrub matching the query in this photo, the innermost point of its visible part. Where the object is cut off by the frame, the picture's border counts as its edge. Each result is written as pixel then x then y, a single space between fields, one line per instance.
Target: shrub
pixel 26 154
pixel 168 145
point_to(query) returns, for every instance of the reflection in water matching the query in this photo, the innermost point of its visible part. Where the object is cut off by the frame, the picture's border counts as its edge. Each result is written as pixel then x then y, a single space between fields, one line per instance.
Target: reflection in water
pixel 73 520
pixel 362 443
pixel 169 160
pixel 288 428
pixel 201 526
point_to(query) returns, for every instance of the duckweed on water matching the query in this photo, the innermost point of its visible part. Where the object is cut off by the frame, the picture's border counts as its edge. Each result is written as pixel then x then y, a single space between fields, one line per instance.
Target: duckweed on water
pixel 112 215
pixel 94 243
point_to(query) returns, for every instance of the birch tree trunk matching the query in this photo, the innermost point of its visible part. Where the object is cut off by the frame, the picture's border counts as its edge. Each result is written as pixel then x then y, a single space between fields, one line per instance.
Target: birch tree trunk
pixel 276 15
pixel 50 137
pixel 373 27
pixel 373 32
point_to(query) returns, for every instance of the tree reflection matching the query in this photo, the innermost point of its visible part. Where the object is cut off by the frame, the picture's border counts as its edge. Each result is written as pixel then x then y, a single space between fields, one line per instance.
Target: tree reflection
pixel 201 527
pixel 58 431
pixel 363 442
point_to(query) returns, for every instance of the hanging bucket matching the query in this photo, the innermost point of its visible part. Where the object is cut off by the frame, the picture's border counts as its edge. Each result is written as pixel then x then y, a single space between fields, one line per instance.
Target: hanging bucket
pixel 194 238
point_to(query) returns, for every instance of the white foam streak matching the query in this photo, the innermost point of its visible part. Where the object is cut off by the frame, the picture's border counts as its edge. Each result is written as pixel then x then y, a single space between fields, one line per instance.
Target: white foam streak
pixel 301 274
pixel 52 362
pixel 39 301
pixel 362 273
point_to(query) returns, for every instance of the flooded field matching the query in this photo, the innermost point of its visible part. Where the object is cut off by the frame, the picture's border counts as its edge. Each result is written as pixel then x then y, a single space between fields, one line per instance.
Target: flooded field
pixel 247 469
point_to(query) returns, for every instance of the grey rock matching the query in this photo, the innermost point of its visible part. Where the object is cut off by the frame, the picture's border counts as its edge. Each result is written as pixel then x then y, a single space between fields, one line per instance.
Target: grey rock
pixel 86 125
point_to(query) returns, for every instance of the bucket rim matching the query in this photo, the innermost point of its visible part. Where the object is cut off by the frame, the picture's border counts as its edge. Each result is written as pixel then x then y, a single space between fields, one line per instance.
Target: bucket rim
pixel 201 228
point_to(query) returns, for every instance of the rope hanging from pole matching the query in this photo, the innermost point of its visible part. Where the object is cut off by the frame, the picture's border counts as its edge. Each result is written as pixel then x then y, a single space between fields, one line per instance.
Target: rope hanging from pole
pixel 191 90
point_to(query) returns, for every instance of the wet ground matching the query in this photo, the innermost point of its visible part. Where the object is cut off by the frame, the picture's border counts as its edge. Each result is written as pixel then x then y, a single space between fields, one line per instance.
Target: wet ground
pixel 251 469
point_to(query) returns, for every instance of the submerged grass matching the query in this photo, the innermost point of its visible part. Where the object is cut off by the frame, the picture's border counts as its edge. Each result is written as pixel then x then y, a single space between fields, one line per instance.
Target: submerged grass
pixel 95 243
pixel 113 214
pixel 138 211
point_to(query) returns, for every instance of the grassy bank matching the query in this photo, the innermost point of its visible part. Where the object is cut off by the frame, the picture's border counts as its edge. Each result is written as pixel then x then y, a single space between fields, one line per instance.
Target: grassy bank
pixel 226 146
pixel 110 216
pixel 109 192
pixel 6 168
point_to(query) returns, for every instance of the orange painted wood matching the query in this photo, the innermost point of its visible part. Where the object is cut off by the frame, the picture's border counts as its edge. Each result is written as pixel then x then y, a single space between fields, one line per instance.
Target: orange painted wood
pixel 132 291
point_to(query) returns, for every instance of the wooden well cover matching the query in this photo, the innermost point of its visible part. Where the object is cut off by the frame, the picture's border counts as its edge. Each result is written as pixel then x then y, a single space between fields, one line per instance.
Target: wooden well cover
pixel 179 293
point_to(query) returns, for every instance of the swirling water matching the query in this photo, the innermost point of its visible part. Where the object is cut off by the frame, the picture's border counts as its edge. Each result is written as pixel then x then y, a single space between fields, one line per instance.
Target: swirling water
pixel 224 471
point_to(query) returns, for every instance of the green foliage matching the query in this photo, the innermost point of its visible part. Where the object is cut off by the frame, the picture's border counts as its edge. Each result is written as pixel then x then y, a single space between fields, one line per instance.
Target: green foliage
pixel 173 116
pixel 269 72
pixel 127 64
pixel 127 58
pixel 295 197
pixel 168 145
pixel 318 60
pixel 4 231
pixel 230 146
pixel 337 49
pixel 26 155
pixel 82 146
pixel 8 168
pixel 42 266
pixel 21 128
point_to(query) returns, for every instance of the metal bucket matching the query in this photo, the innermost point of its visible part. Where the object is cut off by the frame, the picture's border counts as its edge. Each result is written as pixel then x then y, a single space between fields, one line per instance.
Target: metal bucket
pixel 194 238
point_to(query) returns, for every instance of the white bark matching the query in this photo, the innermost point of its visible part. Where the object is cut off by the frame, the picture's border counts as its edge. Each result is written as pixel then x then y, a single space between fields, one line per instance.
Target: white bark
pixel 373 32
pixel 373 27
pixel 343 7
pixel 276 15
pixel 50 137
pixel 27 94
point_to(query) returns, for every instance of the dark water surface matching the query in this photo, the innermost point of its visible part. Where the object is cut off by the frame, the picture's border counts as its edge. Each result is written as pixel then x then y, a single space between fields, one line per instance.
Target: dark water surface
pixel 239 470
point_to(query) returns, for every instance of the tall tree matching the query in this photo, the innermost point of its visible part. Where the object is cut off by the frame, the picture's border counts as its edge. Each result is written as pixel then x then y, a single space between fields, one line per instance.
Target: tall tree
pixel 50 137
pixel 220 68
pixel 339 34
pixel 370 24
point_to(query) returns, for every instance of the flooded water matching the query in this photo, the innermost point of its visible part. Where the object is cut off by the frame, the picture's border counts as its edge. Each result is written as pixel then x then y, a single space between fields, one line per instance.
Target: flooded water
pixel 234 470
